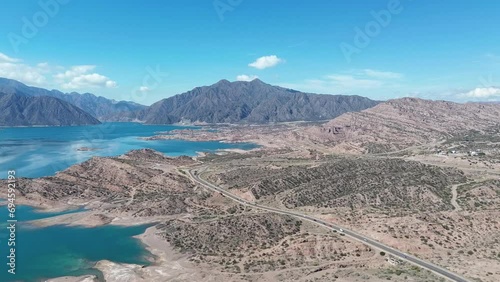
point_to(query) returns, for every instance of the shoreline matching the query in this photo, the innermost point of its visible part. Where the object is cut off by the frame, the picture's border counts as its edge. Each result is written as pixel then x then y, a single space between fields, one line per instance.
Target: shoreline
pixel 44 207
pixel 167 263
pixel 83 278
pixel 163 258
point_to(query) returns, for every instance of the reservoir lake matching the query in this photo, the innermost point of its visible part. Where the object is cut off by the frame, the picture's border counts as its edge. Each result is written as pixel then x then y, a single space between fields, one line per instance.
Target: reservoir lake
pixel 60 250
pixel 42 151
pixel 56 251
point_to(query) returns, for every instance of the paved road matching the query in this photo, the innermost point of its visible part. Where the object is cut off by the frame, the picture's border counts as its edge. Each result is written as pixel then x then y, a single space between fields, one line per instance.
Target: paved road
pixel 398 254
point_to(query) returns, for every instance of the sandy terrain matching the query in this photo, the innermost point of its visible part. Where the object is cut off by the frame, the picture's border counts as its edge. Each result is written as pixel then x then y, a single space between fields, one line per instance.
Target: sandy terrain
pixel 462 238
pixel 169 265
pixel 84 278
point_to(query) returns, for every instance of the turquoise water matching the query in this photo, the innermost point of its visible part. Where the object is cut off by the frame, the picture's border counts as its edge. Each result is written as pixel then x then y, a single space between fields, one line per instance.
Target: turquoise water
pixel 42 151
pixel 62 250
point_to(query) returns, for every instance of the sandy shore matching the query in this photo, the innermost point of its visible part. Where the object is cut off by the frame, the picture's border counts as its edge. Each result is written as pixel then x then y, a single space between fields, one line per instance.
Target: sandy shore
pixel 83 218
pixel 94 218
pixel 43 205
pixel 84 278
pixel 169 265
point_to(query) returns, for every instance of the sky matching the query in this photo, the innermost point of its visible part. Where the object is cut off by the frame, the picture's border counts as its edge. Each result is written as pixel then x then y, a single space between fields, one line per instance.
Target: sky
pixel 144 51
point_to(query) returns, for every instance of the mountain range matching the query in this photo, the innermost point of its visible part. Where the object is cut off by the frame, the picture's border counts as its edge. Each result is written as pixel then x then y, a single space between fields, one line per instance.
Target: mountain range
pixel 97 106
pixel 250 102
pixel 222 102
pixel 22 110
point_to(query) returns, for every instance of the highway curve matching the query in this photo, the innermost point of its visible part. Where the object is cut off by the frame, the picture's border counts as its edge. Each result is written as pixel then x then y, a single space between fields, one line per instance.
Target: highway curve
pixel 194 175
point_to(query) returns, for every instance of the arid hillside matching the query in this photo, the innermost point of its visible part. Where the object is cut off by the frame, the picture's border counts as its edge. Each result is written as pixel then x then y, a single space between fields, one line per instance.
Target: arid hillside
pixel 139 183
pixel 400 123
pixel 437 212
pixel 352 183
pixel 201 233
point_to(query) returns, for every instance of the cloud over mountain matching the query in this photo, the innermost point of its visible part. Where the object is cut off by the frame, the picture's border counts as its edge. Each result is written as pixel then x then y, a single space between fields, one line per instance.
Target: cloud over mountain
pixel 78 77
pixel 51 76
pixel 266 62
pixel 483 92
pixel 244 77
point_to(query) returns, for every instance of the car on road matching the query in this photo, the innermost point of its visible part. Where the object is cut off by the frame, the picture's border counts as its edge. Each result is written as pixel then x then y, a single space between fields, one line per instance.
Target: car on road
pixel 341 230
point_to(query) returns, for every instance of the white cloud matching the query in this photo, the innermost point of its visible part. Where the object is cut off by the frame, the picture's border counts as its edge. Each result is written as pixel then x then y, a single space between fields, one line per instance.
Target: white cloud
pixel 483 92
pixel 349 81
pixel 266 62
pixel 78 77
pixel 92 80
pixel 382 74
pixel 48 76
pixel 6 59
pixel 111 83
pixel 144 89
pixel 352 81
pixel 32 75
pixel 74 71
pixel 43 65
pixel 244 77
pixel 361 79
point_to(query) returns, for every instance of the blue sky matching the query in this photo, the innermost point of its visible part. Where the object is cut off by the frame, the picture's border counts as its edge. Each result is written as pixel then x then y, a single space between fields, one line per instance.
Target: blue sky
pixel 148 50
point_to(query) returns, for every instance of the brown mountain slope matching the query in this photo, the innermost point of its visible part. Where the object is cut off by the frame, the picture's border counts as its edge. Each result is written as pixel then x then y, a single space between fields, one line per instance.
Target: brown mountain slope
pixel 400 123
